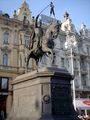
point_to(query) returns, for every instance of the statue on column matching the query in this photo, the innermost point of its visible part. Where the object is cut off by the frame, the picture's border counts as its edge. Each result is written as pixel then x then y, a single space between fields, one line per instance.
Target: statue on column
pixel 52 9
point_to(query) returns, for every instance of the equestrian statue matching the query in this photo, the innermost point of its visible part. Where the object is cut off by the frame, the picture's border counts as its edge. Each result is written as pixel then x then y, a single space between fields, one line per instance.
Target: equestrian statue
pixel 42 40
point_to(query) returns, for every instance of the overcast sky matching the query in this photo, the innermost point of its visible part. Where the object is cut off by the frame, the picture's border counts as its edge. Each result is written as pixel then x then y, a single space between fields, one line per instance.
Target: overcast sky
pixel 79 10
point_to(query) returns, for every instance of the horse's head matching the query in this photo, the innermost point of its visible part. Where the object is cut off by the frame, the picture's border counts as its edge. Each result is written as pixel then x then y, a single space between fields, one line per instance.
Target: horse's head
pixel 52 30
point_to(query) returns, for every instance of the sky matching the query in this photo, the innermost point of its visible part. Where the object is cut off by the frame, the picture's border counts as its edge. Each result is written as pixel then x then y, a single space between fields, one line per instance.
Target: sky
pixel 77 9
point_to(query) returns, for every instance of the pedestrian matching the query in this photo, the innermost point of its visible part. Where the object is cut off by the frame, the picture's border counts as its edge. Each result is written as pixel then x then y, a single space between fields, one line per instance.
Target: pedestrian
pixel 2 117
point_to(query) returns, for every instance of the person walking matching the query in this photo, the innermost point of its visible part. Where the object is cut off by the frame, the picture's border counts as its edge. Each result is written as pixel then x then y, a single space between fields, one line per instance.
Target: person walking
pixel 2 117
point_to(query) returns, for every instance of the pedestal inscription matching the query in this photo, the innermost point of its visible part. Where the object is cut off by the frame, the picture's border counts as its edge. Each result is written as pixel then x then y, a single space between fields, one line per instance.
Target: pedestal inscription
pixel 61 97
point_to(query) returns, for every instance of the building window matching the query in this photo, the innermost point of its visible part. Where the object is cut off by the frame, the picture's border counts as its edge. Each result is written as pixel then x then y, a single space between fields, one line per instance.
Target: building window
pixel 21 39
pixel 4 84
pixel 67 63
pixel 5 59
pixel 15 37
pixel 54 59
pixel 75 63
pixel 6 38
pixel 82 63
pixel 62 62
pixel 88 50
pixel 62 44
pixel 84 78
pixel 20 61
pixel 27 40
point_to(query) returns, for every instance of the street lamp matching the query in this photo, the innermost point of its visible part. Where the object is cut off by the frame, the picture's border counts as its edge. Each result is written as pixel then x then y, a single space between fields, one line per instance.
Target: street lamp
pixel 70 44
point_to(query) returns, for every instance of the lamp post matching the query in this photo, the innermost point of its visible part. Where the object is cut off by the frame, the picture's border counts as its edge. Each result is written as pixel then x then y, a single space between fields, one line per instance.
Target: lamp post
pixel 70 44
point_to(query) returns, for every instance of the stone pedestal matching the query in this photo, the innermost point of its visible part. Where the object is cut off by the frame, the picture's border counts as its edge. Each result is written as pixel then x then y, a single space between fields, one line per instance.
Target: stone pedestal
pixel 43 95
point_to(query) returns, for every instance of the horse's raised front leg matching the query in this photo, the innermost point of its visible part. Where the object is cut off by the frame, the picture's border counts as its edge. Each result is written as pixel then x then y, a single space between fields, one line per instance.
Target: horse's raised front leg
pixel 28 58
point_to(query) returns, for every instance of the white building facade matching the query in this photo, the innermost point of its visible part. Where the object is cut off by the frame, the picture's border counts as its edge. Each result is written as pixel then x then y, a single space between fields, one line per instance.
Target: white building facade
pixel 80 53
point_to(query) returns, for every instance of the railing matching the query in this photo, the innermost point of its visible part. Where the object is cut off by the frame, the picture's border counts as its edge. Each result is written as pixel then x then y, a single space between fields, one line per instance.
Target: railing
pixel 82 52
pixel 84 69
pixel 75 68
pixel 82 88
pixel 3 93
pixel 13 69
pixel 86 88
pixel 4 67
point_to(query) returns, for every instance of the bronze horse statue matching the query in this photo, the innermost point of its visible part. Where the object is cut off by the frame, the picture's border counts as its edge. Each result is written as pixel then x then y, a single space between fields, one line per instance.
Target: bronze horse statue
pixel 42 42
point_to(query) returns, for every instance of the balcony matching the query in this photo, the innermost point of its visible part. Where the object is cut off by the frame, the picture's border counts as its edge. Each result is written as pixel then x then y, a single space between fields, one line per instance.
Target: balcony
pixel 6 48
pixel 82 52
pixel 76 87
pixel 86 88
pixel 84 70
pixel 13 69
pixel 82 88
pixel 76 68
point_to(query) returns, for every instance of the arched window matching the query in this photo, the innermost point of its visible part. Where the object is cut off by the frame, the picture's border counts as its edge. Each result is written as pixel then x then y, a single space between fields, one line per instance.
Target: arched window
pixel 20 61
pixel 6 38
pixel 5 59
pixel 27 40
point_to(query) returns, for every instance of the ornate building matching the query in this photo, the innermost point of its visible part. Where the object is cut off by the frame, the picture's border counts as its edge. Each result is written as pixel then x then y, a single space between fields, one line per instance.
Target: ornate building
pixel 14 41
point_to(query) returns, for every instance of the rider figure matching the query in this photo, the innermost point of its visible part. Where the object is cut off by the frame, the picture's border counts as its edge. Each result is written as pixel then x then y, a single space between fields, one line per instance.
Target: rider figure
pixel 36 36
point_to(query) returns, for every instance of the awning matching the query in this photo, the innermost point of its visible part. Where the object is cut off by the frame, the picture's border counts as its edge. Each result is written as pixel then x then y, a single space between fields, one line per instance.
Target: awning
pixel 83 104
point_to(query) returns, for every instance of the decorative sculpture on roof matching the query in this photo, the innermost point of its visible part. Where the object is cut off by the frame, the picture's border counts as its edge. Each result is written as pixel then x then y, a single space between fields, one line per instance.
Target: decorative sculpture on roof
pixel 67 25
pixel 42 40
pixel 84 31
pixel 66 15
pixel 25 23
pixel 15 15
